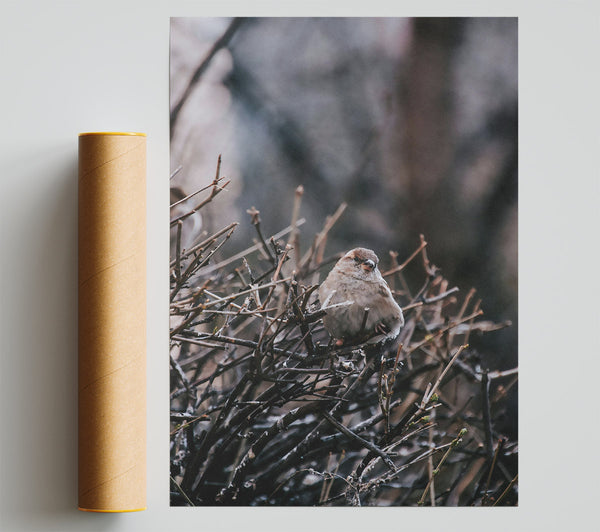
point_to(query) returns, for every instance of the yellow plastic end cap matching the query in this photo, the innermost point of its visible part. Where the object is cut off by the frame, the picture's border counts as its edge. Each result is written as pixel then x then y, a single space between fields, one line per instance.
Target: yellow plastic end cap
pixel 96 510
pixel 117 133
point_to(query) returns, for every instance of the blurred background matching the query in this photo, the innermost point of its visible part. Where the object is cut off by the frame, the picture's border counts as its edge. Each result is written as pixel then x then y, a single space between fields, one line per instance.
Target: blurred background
pixel 411 121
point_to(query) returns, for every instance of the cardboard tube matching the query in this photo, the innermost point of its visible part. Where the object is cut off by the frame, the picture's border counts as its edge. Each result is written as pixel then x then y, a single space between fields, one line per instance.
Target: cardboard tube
pixel 112 322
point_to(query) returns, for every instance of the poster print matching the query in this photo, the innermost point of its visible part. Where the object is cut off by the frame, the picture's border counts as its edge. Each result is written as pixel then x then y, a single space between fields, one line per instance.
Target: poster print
pixel 343 271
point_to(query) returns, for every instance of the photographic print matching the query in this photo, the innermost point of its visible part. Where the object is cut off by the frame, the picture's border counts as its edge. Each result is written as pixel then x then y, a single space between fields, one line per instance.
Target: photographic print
pixel 343 262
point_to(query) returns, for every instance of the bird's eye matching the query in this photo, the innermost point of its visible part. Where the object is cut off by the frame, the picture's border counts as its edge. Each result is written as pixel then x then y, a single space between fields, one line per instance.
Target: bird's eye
pixel 356 259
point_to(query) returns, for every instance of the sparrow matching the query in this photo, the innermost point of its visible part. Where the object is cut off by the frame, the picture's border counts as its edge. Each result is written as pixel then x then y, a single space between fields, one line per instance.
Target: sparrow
pixel 370 314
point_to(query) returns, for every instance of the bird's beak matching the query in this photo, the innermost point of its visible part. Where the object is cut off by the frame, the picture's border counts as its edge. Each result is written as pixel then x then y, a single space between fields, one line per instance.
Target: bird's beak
pixel 368 265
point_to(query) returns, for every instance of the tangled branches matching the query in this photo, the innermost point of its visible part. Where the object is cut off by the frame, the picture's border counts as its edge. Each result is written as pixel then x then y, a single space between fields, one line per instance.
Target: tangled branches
pixel 267 410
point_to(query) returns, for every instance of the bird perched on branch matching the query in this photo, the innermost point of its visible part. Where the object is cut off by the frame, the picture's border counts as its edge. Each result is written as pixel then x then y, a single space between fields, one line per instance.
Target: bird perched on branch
pixel 359 306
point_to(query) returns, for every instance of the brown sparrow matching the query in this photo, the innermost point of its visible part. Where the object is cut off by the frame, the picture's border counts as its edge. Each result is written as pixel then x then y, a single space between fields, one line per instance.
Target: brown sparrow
pixel 359 306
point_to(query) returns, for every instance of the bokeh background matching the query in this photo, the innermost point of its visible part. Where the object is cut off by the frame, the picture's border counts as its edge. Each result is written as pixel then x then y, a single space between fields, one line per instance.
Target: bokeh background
pixel 411 121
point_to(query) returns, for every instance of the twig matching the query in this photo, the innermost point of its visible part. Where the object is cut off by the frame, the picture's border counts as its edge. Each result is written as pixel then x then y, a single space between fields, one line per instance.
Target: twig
pixel 282 259
pixel 255 218
pixel 364 322
pixel 178 252
pixel 500 374
pixel 221 42
pixel 430 469
pixel 193 314
pixel 175 172
pixel 329 223
pixel 443 295
pixel 229 340
pixel 487 418
pixel 429 269
pixel 180 490
pixel 178 202
pixel 499 448
pixel 231 297
pixel 431 338
pixel 213 192
pixel 206 242
pixel 304 327
pixel 325 495
pixel 443 373
pixel 461 313
pixel 367 444
pixel 505 492
pixel 180 373
pixel 281 425
pixel 293 240
pixel 453 444
pixel 377 482
pixel 238 256
pixel 407 261
pixel 468 332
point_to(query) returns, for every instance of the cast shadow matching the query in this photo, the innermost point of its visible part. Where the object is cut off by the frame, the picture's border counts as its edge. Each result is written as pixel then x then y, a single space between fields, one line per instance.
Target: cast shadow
pixel 39 368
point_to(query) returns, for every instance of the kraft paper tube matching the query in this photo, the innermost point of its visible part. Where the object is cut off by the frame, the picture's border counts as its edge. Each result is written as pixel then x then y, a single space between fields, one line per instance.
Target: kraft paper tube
pixel 112 322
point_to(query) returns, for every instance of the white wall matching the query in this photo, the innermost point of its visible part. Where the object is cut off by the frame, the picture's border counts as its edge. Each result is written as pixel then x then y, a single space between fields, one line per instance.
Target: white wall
pixel 68 67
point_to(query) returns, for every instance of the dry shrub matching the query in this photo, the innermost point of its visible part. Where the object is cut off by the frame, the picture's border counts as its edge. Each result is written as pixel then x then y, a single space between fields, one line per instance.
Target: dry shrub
pixel 267 410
